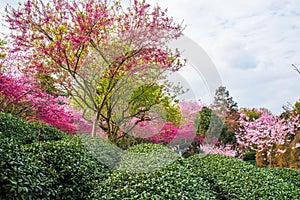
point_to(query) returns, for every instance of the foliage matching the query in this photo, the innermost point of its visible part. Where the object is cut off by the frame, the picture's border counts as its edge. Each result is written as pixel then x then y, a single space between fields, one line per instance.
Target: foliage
pixel 288 155
pixel 102 150
pixel 227 137
pixel 226 108
pixel 253 113
pixel 296 108
pixel 2 49
pixel 173 180
pixel 146 148
pixel 48 170
pixel 160 112
pixel 149 95
pixel 146 158
pixel 235 179
pixel 15 128
pixel 250 157
pixel 69 169
pixel 288 175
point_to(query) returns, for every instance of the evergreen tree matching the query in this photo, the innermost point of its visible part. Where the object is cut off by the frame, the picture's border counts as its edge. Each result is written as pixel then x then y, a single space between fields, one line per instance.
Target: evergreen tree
pixel 227 109
pixel 223 103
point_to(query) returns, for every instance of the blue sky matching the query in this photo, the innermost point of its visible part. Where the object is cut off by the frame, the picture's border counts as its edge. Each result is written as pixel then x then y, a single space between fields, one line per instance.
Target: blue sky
pixel 251 43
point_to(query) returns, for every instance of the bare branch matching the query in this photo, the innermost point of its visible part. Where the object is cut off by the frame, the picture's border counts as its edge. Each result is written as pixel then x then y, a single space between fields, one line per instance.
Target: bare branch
pixel 296 68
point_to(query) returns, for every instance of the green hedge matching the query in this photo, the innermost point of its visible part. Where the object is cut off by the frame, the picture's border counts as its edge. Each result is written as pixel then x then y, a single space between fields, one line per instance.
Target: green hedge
pixel 236 179
pixel 103 150
pixel 27 132
pixel 286 174
pixel 146 158
pixel 48 170
pixel 176 181
pixel 40 162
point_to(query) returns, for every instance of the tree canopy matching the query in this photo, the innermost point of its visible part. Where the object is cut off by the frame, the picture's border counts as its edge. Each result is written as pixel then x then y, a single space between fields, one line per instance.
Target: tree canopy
pixel 96 51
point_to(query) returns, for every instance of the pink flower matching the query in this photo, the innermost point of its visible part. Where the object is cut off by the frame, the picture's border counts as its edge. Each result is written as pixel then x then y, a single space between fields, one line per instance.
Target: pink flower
pixel 297 145
pixel 281 151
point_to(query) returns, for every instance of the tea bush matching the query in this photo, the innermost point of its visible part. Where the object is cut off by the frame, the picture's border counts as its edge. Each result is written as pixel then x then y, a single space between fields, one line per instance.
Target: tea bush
pixel 27 132
pixel 40 162
pixel 286 174
pixel 48 170
pixel 103 150
pixel 236 179
pixel 172 182
pixel 146 158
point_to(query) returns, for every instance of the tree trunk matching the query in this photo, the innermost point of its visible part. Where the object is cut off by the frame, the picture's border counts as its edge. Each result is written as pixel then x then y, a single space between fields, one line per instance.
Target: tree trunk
pixel 94 127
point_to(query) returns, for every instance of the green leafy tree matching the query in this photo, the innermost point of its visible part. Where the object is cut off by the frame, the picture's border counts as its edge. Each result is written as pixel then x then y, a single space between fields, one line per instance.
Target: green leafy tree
pixel 253 113
pixel 208 124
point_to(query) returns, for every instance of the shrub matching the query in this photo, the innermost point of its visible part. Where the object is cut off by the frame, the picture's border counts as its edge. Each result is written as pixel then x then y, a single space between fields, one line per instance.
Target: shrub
pixel 48 170
pixel 103 150
pixel 288 175
pixel 146 158
pixel 173 182
pixel 27 132
pixel 160 181
pixel 236 179
pixel 147 148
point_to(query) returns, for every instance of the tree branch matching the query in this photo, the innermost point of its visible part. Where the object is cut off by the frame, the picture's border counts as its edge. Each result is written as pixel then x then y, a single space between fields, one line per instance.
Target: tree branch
pixel 296 68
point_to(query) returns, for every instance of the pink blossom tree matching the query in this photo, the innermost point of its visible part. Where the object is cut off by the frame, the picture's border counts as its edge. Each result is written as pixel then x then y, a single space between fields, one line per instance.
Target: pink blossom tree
pixel 94 48
pixel 265 132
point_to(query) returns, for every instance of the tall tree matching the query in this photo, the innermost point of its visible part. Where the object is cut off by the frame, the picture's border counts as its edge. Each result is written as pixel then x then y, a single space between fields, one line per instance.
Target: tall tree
pixel 226 108
pixel 95 48
pixel 223 102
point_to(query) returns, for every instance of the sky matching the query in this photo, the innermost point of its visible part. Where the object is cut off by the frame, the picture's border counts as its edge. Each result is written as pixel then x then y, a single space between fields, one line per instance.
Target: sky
pixel 251 44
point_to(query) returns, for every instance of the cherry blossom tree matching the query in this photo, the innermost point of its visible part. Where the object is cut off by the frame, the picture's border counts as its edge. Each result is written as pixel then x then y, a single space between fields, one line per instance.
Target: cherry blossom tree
pixel 265 132
pixel 95 48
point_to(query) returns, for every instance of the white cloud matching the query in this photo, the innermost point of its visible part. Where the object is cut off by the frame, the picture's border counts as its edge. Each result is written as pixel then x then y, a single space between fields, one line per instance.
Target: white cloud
pixel 252 43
